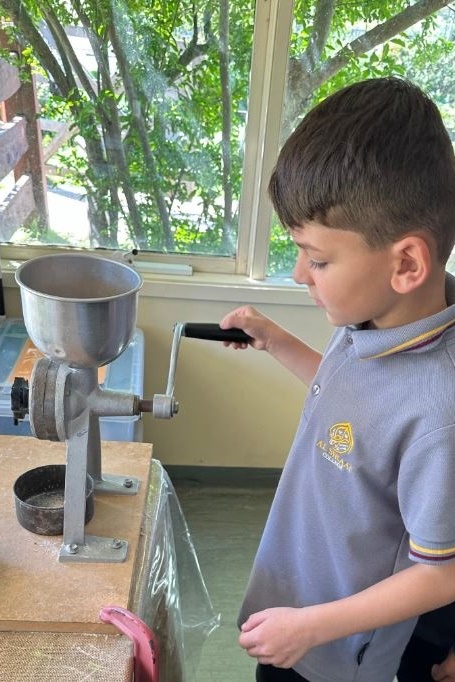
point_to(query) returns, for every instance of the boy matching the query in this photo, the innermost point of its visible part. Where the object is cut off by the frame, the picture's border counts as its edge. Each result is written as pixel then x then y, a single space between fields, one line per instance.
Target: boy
pixel 360 539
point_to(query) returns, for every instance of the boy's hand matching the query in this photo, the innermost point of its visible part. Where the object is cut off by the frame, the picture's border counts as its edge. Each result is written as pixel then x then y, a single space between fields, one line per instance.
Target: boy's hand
pixel 276 636
pixel 299 358
pixel 253 323
pixel 445 671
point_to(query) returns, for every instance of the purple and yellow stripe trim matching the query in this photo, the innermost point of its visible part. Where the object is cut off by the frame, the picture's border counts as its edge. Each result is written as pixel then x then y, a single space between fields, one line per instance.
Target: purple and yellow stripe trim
pixel 417 342
pixel 431 554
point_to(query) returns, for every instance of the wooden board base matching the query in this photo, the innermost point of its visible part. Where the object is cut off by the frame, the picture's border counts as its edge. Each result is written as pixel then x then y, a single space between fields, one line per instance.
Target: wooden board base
pixel 65 657
pixel 39 593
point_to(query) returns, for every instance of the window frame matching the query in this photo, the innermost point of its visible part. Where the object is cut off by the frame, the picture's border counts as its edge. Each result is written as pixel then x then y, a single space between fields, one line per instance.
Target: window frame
pixel 273 24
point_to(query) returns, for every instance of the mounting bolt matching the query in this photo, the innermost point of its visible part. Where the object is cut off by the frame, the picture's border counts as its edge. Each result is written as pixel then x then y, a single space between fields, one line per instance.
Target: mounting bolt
pixel 116 543
pixel 72 549
pixel 127 483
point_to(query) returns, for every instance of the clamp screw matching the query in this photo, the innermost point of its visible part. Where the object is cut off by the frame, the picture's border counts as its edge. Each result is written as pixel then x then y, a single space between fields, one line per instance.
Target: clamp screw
pixel 127 483
pixel 73 548
pixel 116 543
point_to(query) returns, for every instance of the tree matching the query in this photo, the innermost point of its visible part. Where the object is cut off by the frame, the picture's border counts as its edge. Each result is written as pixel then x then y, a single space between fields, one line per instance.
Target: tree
pixel 327 49
pixel 161 116
pixel 128 128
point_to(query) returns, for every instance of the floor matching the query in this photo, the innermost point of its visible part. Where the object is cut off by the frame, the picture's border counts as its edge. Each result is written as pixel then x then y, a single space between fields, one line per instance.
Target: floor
pixel 225 523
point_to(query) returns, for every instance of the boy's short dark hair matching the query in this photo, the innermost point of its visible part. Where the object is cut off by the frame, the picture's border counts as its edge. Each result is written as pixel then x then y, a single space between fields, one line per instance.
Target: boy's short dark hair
pixel 374 158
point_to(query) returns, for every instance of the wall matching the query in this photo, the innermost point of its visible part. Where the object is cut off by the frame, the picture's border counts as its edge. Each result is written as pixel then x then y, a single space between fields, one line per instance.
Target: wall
pixel 237 408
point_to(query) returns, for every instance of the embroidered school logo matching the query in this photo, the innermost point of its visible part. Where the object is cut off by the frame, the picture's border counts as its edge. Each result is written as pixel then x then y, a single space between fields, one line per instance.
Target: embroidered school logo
pixel 341 439
pixel 341 442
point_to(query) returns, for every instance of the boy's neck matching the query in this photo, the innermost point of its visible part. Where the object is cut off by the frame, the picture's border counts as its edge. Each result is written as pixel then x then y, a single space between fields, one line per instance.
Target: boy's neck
pixel 429 299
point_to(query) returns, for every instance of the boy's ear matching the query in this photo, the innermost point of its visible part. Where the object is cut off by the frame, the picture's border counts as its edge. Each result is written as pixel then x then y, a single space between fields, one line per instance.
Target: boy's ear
pixel 412 263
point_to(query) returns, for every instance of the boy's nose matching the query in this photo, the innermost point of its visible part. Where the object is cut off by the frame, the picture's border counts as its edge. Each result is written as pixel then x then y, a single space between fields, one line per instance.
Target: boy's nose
pixel 302 272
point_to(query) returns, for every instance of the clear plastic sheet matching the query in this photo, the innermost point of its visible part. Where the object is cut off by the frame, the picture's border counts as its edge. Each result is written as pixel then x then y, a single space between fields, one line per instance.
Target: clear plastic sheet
pixel 170 592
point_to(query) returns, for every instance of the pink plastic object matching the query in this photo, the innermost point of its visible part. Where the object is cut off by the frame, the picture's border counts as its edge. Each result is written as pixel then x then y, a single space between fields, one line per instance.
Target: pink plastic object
pixel 145 649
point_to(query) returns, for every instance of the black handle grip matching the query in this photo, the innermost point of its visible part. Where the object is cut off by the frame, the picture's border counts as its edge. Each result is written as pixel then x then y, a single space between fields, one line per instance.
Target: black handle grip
pixel 213 332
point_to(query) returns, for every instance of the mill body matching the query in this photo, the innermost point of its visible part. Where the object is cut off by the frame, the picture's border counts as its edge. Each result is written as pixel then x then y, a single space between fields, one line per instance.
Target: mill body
pixel 80 312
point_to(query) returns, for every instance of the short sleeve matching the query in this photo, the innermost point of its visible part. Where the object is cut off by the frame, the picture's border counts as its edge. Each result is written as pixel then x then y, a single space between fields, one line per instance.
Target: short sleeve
pixel 426 495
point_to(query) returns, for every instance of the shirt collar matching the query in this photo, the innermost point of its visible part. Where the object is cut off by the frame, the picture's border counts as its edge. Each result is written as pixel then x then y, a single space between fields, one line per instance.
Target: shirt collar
pixel 415 337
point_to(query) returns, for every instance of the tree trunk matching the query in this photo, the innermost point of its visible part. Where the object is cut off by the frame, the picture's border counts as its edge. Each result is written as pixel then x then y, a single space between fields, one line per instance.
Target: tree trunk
pixel 110 123
pixel 226 104
pixel 138 122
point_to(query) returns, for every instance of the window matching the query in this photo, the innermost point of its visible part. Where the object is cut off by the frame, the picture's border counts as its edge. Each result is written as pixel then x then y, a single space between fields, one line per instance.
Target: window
pixel 149 102
pixel 161 121
pixel 334 44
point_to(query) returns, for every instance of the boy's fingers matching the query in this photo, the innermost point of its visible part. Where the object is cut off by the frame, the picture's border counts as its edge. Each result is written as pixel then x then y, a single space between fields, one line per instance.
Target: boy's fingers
pixel 438 674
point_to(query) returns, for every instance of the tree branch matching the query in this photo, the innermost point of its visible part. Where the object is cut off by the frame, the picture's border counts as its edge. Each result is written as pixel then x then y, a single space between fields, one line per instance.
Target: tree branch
pixel 323 16
pixel 305 82
pixel 377 36
pixel 194 49
pixel 67 54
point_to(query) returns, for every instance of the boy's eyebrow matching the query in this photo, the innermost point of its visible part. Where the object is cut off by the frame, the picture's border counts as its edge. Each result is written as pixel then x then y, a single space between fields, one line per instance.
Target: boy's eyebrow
pixel 307 247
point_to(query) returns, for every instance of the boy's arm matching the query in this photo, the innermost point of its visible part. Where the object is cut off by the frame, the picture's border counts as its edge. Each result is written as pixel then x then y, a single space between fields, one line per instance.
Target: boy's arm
pixel 281 636
pixel 295 355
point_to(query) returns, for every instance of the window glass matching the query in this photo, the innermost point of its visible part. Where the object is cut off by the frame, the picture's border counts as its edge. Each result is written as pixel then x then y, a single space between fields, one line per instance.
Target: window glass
pixel 334 44
pixel 143 104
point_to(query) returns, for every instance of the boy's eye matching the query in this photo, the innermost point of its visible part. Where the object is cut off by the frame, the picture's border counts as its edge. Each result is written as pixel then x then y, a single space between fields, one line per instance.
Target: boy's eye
pixel 316 264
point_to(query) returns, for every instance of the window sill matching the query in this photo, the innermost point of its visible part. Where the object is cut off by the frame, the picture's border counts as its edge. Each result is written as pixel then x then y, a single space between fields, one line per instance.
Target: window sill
pixel 236 289
pixel 230 288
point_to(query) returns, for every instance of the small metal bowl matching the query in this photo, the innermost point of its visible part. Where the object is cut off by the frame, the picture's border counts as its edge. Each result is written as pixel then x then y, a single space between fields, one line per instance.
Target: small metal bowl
pixel 39 496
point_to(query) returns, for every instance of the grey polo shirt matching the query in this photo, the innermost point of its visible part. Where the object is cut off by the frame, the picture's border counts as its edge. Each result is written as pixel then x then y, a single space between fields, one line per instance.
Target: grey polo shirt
pixel 368 486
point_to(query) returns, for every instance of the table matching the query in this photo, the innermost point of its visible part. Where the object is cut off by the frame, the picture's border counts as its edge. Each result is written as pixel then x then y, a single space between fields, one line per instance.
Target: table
pixel 45 603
